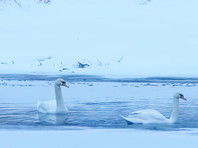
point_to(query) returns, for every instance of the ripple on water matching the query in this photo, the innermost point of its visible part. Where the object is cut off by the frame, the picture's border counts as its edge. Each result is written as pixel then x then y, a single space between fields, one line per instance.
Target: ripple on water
pixel 103 111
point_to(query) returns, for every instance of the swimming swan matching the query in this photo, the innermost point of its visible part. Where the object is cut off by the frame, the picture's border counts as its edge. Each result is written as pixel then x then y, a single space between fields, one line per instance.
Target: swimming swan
pixel 153 116
pixel 57 107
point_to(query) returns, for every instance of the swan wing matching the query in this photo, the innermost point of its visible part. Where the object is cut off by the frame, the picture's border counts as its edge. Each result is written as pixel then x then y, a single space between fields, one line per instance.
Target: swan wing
pixel 46 107
pixel 145 116
pixel 49 107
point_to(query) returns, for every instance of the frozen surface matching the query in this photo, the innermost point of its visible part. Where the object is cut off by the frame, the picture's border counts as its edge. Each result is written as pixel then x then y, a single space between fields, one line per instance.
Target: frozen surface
pixel 114 37
pixel 97 139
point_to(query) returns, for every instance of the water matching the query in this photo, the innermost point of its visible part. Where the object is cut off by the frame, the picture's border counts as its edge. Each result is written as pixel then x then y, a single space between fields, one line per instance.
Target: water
pixel 94 102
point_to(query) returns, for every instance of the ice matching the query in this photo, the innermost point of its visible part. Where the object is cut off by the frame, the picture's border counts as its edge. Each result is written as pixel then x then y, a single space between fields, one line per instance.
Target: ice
pixel 151 40
pixel 97 138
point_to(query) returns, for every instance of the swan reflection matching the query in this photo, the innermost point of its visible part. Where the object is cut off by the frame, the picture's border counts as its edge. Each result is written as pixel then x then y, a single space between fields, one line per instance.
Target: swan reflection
pixel 52 118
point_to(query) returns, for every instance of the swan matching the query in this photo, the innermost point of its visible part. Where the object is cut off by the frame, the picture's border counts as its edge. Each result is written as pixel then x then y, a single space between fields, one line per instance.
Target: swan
pixel 54 107
pixel 153 116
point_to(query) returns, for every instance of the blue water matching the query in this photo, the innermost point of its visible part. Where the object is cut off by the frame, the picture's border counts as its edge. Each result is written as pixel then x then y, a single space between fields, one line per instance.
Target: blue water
pixel 96 102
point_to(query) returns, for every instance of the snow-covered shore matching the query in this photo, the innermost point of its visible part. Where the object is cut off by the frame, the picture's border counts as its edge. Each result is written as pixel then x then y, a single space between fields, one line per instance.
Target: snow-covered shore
pixel 97 138
pixel 114 37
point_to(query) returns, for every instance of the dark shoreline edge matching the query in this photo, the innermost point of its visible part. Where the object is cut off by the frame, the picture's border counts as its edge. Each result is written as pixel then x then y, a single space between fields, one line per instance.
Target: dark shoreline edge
pixel 96 78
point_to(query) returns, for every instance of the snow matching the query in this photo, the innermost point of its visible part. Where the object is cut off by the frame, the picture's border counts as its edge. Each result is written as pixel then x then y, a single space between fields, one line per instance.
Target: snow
pixel 155 39
pixel 96 138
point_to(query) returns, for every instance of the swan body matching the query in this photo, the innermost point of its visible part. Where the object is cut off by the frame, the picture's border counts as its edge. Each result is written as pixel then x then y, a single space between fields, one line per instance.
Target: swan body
pixel 153 116
pixel 57 106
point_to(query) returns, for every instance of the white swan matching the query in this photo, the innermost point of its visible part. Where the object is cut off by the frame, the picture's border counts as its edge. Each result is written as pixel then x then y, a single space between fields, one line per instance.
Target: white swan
pixel 54 107
pixel 153 116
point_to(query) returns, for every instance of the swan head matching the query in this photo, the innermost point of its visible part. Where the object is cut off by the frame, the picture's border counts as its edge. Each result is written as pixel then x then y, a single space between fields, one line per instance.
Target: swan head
pixel 61 82
pixel 179 96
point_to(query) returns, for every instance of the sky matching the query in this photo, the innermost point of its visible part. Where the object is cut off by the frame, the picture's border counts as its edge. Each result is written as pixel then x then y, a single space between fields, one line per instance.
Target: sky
pixel 159 38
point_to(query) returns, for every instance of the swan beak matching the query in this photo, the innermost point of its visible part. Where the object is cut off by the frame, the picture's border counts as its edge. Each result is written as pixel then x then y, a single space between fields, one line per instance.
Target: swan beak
pixel 65 85
pixel 184 99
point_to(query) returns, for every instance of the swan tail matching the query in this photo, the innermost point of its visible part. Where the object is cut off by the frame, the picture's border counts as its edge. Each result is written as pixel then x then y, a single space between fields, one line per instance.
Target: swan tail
pixel 126 119
pixel 40 109
pixel 38 105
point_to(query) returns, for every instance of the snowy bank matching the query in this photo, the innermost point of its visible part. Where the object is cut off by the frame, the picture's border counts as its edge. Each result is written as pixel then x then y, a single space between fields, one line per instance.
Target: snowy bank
pixel 98 138
pixel 114 37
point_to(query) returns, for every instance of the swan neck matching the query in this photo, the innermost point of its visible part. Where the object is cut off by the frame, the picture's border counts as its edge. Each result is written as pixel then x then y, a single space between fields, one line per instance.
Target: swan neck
pixel 59 97
pixel 174 114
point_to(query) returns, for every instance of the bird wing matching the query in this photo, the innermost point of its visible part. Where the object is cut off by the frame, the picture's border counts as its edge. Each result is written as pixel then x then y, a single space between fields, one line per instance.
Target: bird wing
pixel 145 116
pixel 46 106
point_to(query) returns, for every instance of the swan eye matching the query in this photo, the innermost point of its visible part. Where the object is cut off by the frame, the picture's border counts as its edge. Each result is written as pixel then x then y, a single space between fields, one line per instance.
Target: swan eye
pixel 63 83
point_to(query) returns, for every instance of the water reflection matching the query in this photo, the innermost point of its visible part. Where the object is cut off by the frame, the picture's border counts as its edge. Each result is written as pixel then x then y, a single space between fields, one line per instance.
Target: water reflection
pixel 56 119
